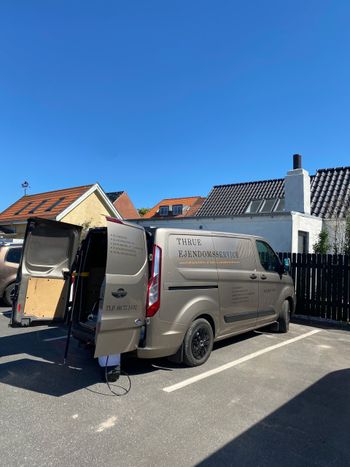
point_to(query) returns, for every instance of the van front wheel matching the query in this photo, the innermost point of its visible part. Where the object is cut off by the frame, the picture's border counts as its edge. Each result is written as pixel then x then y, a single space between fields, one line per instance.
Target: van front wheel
pixel 284 318
pixel 198 343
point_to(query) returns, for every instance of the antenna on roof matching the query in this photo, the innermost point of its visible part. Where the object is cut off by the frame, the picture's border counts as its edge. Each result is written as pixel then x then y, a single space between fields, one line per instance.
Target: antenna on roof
pixel 25 185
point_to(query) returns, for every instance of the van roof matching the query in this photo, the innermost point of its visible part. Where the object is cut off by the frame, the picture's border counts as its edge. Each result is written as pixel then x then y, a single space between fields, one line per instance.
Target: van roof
pixel 203 232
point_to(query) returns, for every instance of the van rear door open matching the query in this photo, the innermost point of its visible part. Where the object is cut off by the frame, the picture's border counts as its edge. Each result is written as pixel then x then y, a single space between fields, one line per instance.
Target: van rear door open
pixel 49 251
pixel 122 313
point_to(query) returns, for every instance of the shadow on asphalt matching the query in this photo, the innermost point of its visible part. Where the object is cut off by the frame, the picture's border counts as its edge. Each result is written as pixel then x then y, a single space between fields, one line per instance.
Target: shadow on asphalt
pixel 310 430
pixel 50 375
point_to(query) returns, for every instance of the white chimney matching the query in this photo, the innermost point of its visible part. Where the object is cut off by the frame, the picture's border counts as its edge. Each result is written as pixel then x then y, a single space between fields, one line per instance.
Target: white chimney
pixel 297 188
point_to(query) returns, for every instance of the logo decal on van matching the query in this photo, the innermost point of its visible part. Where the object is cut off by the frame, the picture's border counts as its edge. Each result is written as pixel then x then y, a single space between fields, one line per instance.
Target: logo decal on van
pixel 120 293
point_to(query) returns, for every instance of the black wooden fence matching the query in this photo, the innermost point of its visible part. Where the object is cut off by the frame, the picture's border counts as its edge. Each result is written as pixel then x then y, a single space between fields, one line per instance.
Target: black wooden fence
pixel 322 284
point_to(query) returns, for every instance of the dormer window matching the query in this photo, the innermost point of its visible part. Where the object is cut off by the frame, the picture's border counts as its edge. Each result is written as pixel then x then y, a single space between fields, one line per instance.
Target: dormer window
pixel 177 209
pixel 164 211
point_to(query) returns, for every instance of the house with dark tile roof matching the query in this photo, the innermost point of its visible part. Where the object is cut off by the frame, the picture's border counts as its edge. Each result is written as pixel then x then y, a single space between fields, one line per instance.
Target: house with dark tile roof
pixel 290 212
pixel 123 204
pixel 329 196
pixel 84 205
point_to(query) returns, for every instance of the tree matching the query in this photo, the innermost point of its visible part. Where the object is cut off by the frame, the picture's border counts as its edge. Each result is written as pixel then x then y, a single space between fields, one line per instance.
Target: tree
pixel 143 211
pixel 322 246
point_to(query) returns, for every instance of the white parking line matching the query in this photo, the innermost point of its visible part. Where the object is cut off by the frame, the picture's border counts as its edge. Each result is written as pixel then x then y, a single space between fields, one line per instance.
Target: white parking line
pixel 55 338
pixel 221 368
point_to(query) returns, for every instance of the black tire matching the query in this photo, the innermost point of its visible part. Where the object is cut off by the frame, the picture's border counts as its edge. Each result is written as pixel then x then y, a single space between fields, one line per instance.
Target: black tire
pixel 8 294
pixel 198 343
pixel 284 318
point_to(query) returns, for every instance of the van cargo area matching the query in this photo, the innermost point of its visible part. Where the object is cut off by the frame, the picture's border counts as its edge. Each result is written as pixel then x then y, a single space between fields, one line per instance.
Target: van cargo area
pixel 88 282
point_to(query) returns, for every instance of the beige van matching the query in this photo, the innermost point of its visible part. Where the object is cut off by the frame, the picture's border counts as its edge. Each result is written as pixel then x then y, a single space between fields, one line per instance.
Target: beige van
pixel 10 256
pixel 168 292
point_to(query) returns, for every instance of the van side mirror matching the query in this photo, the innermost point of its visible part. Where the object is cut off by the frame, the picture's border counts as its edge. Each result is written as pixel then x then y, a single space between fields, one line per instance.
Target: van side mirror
pixel 286 264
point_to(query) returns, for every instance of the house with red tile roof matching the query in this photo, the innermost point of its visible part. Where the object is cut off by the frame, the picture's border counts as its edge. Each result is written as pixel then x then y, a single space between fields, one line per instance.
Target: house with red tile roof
pixel 170 208
pixel 123 204
pixel 86 205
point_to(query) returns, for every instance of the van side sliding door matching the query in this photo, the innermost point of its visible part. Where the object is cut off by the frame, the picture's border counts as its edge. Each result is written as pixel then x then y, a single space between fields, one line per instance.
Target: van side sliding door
pixel 238 283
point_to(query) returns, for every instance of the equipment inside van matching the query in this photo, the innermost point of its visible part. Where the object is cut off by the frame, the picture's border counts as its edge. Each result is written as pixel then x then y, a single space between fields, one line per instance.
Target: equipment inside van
pixel 168 292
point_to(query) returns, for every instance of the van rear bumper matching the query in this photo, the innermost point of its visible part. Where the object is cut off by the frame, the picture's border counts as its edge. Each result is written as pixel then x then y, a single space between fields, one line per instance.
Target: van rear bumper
pixel 151 352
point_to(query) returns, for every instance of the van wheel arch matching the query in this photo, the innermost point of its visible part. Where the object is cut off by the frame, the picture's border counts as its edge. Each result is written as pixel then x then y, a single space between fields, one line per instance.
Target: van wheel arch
pixel 178 357
pixel 210 321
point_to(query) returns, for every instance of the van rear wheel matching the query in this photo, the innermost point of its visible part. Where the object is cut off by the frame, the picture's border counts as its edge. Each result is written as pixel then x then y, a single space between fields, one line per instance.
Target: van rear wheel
pixel 198 342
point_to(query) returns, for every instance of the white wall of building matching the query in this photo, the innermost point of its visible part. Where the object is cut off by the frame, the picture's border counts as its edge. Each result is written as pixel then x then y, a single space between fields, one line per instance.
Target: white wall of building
pixel 276 229
pixel 305 223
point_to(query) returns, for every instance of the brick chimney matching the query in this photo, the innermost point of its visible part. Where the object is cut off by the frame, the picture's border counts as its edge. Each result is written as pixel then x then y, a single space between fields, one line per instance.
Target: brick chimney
pixel 297 188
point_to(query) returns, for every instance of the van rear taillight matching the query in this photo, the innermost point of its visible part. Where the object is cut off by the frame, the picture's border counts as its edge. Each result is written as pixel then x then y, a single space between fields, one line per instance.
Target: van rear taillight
pixel 153 296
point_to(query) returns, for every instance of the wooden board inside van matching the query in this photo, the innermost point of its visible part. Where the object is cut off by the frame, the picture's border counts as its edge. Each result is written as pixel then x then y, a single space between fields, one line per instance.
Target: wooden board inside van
pixel 45 298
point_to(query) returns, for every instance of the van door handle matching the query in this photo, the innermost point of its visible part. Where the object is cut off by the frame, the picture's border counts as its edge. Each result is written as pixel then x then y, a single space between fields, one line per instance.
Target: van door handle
pixel 263 277
pixel 253 276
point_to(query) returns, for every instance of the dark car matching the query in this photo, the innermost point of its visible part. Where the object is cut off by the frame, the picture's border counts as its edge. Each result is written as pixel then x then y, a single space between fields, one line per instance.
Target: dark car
pixel 10 257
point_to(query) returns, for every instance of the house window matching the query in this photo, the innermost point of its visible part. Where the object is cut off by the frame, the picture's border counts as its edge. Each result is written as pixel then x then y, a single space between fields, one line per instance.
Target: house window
pixel 303 242
pixel 177 209
pixel 38 206
pixel 164 210
pixel 268 205
pixel 280 205
pixel 56 203
pixel 22 209
pixel 254 206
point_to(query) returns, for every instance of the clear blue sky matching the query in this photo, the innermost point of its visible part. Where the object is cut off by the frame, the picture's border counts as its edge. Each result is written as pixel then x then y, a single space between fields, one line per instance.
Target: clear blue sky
pixel 166 98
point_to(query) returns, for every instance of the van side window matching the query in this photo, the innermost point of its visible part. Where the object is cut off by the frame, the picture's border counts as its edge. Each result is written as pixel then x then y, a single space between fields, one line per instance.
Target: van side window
pixel 268 258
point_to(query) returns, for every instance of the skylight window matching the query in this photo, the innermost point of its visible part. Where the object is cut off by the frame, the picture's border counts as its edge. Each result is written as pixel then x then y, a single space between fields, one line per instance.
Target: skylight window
pixel 268 205
pixel 24 208
pixel 265 206
pixel 280 207
pixel 56 203
pixel 38 206
pixel 254 206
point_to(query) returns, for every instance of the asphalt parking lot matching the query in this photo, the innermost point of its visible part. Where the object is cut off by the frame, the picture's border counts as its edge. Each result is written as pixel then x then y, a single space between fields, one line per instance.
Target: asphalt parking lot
pixel 262 399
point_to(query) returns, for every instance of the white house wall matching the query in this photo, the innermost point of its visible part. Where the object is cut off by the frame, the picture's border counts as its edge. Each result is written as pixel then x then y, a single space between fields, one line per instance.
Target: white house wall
pixel 305 223
pixel 276 229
